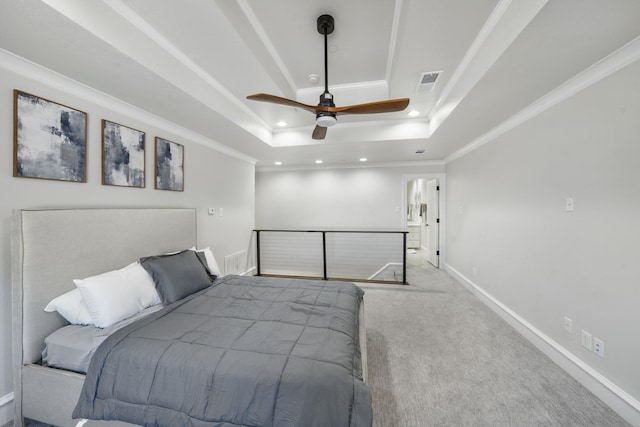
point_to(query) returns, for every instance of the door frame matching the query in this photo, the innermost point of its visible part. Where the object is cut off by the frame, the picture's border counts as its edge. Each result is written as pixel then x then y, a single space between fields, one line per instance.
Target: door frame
pixel 442 208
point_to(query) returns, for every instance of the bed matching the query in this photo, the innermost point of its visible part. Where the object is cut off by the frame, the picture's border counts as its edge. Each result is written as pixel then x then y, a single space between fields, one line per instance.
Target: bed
pixel 50 248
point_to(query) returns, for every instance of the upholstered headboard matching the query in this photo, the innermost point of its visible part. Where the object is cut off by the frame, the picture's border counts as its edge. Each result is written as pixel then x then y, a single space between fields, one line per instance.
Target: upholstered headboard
pixel 50 248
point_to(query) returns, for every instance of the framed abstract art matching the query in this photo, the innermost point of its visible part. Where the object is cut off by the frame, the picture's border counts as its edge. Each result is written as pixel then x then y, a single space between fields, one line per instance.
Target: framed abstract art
pixel 123 157
pixel 169 161
pixel 50 140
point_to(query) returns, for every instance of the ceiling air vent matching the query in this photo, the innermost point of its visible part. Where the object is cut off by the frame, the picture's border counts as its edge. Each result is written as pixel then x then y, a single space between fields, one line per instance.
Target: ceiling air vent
pixel 427 80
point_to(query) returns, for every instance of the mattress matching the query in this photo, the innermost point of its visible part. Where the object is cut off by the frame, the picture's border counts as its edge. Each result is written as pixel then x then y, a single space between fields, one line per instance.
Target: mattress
pixel 72 347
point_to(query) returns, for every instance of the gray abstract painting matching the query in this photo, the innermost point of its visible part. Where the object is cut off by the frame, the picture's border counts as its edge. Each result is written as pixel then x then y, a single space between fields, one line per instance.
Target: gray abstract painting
pixel 169 165
pixel 123 155
pixel 50 140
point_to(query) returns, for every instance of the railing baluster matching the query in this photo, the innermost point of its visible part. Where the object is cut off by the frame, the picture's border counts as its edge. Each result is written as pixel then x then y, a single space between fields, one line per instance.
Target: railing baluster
pixel 324 255
pixel 404 258
pixel 258 251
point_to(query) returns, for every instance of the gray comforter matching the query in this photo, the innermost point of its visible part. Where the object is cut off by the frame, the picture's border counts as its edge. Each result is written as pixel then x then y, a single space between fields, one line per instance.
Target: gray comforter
pixel 248 351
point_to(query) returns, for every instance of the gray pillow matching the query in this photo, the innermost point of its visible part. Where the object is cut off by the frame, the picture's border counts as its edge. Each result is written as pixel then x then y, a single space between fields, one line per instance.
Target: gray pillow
pixel 177 275
pixel 203 259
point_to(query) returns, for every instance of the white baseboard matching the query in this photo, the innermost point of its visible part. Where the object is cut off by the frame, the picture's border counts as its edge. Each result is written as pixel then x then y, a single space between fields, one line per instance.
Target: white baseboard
pixel 617 399
pixel 6 409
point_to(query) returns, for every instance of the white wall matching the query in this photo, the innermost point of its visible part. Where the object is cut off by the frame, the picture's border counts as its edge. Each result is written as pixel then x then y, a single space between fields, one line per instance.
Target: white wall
pixel 335 198
pixel 508 232
pixel 212 179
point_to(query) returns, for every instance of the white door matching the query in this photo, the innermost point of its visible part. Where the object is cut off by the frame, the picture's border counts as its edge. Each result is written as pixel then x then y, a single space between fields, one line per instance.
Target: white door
pixel 433 222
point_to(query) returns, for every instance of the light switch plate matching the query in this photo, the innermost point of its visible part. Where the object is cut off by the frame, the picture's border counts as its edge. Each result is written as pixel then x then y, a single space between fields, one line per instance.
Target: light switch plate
pixel 568 324
pixel 570 204
pixel 586 340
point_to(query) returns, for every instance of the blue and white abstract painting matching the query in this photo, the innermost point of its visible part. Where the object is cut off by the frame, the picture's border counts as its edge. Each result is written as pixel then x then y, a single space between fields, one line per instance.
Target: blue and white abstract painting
pixel 169 165
pixel 123 155
pixel 50 140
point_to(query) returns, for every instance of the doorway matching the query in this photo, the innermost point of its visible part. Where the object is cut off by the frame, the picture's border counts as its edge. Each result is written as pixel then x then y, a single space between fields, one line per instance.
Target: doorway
pixel 422 202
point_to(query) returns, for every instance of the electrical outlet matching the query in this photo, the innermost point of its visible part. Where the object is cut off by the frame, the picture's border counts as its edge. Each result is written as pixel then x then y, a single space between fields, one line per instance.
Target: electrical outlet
pixel 586 340
pixel 568 324
pixel 598 347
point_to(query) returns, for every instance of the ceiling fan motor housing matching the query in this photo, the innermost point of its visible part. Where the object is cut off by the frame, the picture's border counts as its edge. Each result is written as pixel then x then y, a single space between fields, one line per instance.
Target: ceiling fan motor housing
pixel 326 100
pixel 325 119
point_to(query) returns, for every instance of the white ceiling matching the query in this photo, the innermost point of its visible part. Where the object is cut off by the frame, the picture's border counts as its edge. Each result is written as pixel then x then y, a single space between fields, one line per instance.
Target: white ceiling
pixel 194 62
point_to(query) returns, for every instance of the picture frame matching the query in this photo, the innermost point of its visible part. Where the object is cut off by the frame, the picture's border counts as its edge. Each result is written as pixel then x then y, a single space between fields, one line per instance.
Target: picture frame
pixel 169 165
pixel 49 139
pixel 123 155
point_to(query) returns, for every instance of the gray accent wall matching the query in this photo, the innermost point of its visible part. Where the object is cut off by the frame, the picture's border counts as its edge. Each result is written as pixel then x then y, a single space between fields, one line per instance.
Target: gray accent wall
pixel 212 179
pixel 510 236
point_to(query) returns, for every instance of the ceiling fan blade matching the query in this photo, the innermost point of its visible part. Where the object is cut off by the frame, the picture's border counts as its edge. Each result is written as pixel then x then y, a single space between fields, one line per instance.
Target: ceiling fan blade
pixel 319 132
pixel 264 97
pixel 388 106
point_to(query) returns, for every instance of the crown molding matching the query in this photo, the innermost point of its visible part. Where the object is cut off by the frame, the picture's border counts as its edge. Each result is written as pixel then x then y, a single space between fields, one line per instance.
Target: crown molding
pixel 619 59
pixel 268 45
pixel 148 30
pixel 25 68
pixel 393 42
pixel 507 20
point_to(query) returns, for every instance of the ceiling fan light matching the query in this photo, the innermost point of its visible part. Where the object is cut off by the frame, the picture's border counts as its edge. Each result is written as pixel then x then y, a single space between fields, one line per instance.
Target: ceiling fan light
pixel 326 121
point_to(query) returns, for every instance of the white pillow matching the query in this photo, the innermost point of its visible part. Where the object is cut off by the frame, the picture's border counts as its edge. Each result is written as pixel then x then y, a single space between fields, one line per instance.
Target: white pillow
pixel 116 295
pixel 211 260
pixel 71 306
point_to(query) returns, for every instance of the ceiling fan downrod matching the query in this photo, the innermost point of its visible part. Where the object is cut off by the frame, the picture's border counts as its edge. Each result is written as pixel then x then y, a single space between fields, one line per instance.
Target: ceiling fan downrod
pixel 326 119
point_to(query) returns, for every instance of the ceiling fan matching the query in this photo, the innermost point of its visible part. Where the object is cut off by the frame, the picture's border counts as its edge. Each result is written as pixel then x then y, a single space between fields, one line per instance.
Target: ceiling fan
pixel 326 111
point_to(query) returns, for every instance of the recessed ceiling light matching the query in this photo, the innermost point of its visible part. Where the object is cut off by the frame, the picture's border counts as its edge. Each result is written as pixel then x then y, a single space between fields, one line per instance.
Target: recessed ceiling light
pixel 277 163
pixel 413 113
pixel 313 79
pixel 363 159
pixel 318 161
pixel 281 124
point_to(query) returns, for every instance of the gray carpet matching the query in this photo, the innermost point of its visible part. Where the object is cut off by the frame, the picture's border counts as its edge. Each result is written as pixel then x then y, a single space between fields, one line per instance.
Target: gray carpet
pixel 437 356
